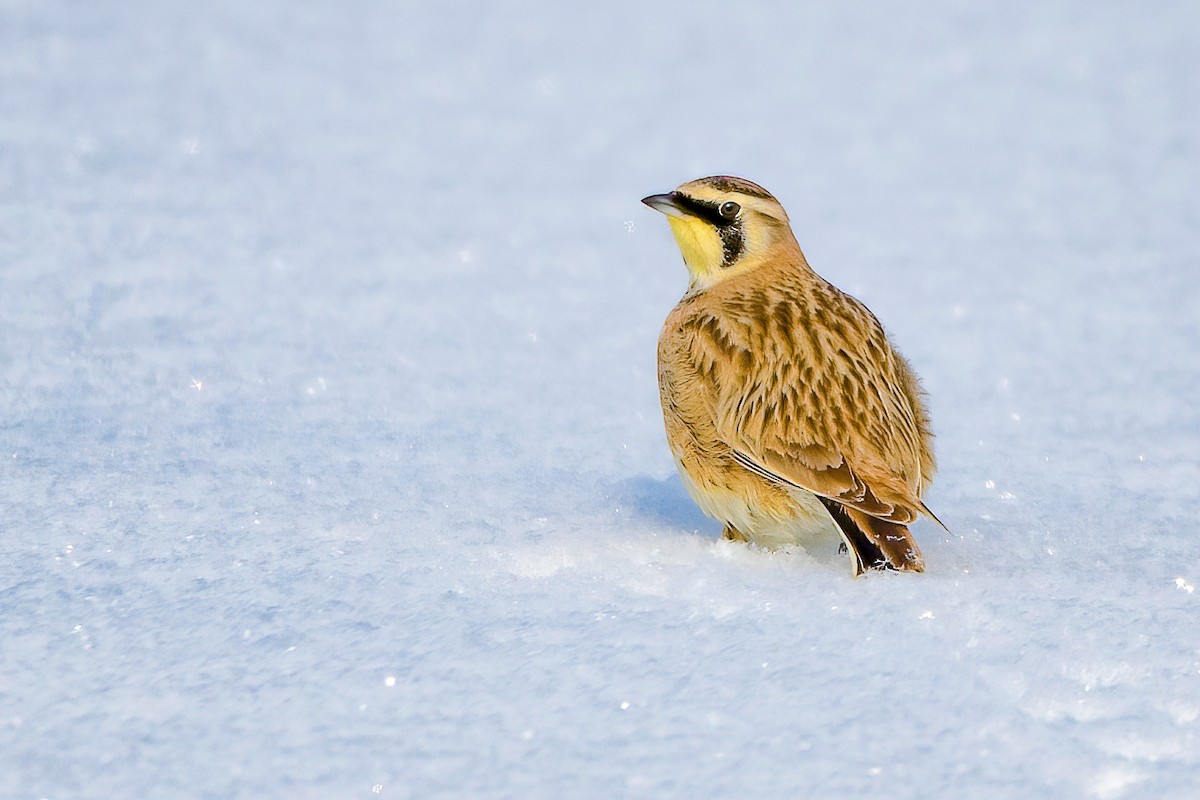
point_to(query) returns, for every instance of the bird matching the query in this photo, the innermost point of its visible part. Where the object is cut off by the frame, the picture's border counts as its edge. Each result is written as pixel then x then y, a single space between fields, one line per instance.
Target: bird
pixel 788 412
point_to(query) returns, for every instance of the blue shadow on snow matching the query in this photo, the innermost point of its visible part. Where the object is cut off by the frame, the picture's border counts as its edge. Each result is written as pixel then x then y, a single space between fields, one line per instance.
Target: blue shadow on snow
pixel 664 500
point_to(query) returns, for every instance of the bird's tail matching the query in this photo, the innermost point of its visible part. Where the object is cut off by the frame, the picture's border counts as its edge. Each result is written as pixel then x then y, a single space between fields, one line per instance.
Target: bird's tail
pixel 876 543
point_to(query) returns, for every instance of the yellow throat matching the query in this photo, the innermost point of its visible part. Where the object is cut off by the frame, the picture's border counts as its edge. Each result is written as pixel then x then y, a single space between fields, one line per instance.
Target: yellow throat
pixel 700 245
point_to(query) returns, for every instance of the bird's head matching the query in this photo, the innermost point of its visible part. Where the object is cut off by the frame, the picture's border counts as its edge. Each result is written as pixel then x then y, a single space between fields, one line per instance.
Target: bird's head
pixel 724 226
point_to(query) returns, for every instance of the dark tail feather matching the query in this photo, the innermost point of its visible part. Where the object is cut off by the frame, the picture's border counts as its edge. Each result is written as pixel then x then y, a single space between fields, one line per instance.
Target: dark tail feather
pixel 877 543
pixel 865 553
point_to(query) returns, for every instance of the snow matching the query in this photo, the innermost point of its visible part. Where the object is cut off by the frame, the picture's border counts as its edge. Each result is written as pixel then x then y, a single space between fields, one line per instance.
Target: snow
pixel 332 457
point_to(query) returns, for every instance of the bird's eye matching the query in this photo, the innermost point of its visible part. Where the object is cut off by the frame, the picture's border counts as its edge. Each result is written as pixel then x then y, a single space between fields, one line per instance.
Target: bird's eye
pixel 729 209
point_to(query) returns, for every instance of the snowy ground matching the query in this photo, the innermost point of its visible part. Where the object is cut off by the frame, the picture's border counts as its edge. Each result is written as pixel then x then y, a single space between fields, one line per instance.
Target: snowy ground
pixel 332 459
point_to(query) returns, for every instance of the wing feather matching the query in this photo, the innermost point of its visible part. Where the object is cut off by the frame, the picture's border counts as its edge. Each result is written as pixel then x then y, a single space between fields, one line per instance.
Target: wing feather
pixel 809 393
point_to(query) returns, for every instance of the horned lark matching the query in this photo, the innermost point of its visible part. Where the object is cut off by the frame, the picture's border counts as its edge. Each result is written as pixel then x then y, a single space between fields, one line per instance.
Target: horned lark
pixel 788 411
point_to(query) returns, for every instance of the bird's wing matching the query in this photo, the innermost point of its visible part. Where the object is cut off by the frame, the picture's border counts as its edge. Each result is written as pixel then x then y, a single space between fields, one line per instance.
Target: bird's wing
pixel 821 410
pixel 839 483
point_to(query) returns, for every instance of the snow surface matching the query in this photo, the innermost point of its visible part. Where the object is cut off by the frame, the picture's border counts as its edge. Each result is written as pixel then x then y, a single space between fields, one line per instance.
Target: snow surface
pixel 332 457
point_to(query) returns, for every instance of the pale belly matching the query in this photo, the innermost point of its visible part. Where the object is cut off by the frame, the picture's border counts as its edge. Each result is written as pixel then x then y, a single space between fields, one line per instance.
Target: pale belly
pixel 768 516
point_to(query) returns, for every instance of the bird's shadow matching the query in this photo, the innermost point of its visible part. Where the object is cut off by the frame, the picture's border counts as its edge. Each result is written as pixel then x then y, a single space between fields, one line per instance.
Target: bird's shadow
pixel 665 501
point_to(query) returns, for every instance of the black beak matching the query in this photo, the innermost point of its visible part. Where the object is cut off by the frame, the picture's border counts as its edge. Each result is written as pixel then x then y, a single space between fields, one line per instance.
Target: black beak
pixel 666 203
